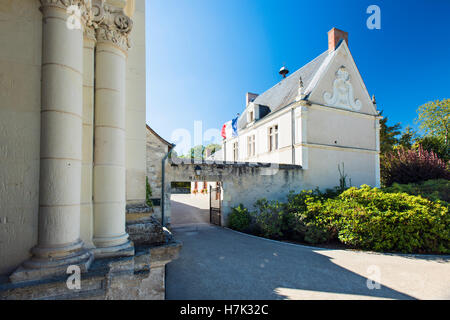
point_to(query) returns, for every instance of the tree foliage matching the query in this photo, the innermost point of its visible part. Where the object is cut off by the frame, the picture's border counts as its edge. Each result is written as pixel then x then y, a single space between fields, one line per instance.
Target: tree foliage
pixel 200 151
pixel 388 135
pixel 434 119
pixel 407 138
pixel 433 144
pixel 407 166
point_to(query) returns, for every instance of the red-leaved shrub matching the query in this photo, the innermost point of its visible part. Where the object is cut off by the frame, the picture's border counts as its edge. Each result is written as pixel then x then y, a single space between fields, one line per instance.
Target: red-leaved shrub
pixel 407 166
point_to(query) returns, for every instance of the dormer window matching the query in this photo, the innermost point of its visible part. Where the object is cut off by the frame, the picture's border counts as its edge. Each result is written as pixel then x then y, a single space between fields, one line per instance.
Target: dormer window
pixel 251 113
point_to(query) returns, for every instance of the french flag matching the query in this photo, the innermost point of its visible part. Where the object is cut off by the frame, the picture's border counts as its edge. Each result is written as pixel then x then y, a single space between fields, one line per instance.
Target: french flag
pixel 229 129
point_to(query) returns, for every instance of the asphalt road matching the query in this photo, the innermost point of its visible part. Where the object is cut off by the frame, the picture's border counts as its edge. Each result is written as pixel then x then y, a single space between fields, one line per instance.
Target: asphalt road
pixel 217 263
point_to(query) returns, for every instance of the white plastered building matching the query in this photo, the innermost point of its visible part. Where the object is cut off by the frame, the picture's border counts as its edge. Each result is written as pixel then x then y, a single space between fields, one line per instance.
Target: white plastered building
pixel 319 117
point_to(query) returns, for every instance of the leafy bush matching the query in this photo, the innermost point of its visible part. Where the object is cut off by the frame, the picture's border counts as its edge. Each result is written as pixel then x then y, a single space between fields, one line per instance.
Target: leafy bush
pixel 271 219
pixel 434 144
pixel 148 193
pixel 433 190
pixel 408 166
pixel 375 220
pixel 312 224
pixel 239 218
pixel 366 218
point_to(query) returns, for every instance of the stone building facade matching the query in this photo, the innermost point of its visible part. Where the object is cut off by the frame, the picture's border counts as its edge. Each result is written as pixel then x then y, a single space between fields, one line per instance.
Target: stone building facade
pixel 73 151
pixel 157 148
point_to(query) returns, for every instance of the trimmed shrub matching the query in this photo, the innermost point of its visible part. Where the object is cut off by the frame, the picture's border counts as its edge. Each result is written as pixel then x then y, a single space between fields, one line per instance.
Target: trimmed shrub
pixel 375 220
pixel 239 219
pixel 408 166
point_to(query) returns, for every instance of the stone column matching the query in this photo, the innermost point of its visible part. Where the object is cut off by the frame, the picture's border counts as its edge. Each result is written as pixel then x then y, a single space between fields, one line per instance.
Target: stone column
pixel 59 243
pixel 88 136
pixel 110 237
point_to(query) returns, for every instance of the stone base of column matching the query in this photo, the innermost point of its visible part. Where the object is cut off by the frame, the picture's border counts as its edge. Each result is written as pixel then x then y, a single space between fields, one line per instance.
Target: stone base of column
pixel 140 277
pixel 50 263
pixel 122 250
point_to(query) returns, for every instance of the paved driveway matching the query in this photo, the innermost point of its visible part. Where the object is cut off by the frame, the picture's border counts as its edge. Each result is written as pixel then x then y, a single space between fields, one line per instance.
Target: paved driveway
pixel 188 209
pixel 217 263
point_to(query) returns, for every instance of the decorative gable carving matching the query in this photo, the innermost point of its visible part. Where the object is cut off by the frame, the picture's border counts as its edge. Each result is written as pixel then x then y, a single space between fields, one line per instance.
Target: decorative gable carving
pixel 342 96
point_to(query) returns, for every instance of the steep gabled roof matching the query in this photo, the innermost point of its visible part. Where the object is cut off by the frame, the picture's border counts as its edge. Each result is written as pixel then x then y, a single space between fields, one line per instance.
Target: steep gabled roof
pixel 159 137
pixel 285 91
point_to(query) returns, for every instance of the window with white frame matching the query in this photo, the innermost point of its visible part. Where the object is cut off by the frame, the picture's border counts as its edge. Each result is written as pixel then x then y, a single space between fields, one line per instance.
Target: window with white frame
pixel 235 151
pixel 251 146
pixel 273 138
pixel 251 116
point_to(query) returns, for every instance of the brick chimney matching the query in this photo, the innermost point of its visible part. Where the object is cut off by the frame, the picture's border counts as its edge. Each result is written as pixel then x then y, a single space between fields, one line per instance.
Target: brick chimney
pixel 334 36
pixel 250 97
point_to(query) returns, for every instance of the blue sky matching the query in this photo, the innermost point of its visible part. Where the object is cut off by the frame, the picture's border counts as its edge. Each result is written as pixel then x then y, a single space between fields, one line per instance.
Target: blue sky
pixel 204 55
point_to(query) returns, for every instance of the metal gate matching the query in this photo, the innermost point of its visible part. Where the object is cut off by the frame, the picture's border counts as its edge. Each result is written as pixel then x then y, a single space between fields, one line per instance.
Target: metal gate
pixel 215 207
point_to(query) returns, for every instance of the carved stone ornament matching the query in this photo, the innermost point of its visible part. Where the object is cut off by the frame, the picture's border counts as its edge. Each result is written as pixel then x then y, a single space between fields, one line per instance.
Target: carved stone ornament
pixel 301 90
pixel 111 24
pixel 79 10
pixel 342 92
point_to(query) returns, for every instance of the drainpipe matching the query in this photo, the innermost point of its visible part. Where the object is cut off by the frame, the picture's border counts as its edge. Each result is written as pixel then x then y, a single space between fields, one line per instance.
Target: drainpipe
pixel 163 182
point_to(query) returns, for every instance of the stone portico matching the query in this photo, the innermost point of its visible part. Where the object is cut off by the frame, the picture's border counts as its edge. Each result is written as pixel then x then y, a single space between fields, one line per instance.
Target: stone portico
pixel 90 160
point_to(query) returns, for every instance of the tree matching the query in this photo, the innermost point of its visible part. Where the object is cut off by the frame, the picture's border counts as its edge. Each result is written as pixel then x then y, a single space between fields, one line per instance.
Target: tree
pixel 433 144
pixel 213 147
pixel 199 152
pixel 388 135
pixel 434 119
pixel 407 138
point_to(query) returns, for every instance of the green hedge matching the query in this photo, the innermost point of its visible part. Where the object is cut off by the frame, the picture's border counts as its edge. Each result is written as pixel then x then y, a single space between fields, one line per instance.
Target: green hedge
pixel 366 218
pixel 374 220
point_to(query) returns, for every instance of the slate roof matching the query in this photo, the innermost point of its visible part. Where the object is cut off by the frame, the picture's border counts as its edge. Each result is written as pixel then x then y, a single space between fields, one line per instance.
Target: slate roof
pixel 285 91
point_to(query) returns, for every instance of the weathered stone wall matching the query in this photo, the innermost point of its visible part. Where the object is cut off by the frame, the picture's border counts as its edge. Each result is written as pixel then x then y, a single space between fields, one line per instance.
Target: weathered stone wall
pixel 20 107
pixel 156 150
pixel 242 182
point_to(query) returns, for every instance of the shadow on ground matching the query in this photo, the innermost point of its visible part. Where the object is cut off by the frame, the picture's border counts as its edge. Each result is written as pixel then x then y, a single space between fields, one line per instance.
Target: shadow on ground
pixel 217 263
pixel 183 213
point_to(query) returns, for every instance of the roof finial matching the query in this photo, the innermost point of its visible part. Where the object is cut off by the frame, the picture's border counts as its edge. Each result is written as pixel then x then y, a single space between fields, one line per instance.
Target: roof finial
pixel 301 92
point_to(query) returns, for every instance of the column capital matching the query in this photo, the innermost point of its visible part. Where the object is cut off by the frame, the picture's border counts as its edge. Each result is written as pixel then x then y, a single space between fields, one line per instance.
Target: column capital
pixel 83 5
pixel 79 10
pixel 89 33
pixel 112 24
pixel 64 4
